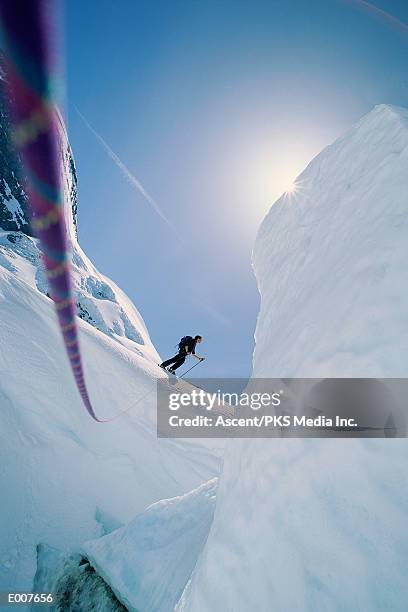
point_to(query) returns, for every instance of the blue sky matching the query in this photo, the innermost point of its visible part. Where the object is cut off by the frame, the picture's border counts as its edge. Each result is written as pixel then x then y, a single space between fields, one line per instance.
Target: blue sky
pixel 215 106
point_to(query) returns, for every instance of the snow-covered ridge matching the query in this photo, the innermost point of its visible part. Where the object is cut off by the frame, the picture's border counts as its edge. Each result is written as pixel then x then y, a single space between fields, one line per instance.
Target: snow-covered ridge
pixel 69 178
pixel 100 302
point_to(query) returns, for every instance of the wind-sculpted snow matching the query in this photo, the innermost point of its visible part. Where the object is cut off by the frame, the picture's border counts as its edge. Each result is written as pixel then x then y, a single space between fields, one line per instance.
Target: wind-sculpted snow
pixel 99 301
pixel 148 562
pixel 310 524
pixel 330 260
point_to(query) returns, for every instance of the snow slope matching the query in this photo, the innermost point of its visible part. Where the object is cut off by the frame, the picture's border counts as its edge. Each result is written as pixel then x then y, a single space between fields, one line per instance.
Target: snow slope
pixel 64 478
pixel 61 470
pixel 313 524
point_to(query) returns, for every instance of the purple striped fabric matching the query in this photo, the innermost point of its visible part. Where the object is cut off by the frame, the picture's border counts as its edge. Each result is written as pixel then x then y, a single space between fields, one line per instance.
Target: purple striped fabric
pixel 26 27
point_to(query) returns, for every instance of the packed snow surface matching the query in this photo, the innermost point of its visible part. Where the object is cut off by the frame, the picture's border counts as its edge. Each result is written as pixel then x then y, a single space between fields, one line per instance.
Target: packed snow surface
pixel 313 524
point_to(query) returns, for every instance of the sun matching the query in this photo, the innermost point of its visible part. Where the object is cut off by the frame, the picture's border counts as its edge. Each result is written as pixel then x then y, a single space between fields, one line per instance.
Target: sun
pixel 291 189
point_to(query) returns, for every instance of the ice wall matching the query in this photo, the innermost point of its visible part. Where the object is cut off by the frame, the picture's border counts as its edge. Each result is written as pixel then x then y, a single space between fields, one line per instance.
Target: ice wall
pixel 311 525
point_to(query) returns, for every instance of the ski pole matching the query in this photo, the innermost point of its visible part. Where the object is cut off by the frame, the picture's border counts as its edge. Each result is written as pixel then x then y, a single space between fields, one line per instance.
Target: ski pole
pixel 196 364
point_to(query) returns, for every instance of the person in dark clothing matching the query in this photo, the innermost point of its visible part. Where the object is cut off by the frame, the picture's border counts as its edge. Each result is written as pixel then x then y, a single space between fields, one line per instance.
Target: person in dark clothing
pixel 187 347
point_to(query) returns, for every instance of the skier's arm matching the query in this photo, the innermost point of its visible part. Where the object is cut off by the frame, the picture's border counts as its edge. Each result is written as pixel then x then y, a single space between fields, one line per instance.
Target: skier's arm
pixel 193 353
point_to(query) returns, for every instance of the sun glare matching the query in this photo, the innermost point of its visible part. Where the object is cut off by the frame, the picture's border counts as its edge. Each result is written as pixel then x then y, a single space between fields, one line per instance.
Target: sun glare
pixel 291 189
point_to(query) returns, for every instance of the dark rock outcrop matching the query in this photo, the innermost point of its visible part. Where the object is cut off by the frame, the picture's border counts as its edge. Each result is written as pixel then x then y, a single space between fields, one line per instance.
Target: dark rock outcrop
pixel 14 214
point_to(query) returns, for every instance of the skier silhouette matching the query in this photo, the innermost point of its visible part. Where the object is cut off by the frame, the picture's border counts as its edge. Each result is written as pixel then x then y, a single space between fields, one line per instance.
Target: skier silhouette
pixel 186 347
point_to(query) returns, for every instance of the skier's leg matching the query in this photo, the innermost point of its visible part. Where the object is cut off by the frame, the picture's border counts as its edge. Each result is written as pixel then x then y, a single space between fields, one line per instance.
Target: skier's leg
pixel 181 359
pixel 169 361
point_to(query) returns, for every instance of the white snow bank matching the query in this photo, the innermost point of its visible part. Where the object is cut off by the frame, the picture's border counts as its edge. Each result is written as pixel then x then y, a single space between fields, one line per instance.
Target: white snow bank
pixel 148 562
pixel 330 260
pixel 307 525
pixel 66 479
pixel 311 525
